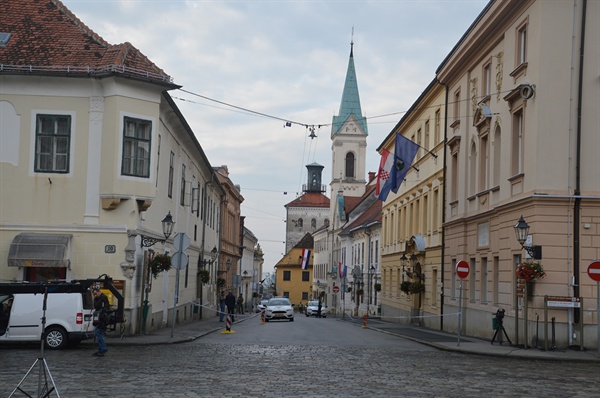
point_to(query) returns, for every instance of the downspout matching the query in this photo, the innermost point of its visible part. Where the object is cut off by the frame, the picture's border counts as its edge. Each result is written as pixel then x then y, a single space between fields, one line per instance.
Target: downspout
pixel 444 204
pixel 577 209
pixel 201 258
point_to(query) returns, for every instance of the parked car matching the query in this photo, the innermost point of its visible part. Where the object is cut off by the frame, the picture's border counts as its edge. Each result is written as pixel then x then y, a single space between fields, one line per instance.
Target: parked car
pixel 279 308
pixel 312 309
pixel 68 318
pixel 262 305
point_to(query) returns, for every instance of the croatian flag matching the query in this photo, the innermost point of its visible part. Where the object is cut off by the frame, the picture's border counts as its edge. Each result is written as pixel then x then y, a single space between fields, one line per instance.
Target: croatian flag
pixel 384 183
pixel 305 258
pixel 404 153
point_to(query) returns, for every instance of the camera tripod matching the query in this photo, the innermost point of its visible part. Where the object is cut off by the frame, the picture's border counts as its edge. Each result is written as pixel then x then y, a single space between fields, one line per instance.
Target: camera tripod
pixel 44 389
pixel 499 332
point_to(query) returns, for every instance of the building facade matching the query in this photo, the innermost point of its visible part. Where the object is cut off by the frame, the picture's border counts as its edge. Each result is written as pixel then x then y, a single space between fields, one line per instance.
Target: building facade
pixel 522 141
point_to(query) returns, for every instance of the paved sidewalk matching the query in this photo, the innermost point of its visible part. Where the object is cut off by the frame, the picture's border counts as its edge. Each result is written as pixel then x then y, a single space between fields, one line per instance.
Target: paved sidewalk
pixel 445 341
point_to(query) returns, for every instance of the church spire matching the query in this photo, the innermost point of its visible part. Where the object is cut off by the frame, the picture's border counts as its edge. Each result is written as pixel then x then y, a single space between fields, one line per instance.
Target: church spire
pixel 350 104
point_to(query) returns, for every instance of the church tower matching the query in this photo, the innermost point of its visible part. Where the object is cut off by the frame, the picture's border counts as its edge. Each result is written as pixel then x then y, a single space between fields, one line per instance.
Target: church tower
pixel 349 140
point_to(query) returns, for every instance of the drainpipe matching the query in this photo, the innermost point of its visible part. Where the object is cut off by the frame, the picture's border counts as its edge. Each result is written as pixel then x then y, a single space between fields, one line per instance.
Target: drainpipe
pixel 201 258
pixel 577 209
pixel 445 183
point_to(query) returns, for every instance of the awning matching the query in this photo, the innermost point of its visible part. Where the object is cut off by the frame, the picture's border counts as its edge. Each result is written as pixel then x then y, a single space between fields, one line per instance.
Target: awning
pixel 419 242
pixel 40 250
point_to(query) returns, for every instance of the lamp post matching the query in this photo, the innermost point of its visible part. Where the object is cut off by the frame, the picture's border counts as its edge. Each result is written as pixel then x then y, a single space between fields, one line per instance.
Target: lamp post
pixel 148 241
pixel 403 261
pixel 370 281
pixel 245 278
pixel 522 233
pixel 203 263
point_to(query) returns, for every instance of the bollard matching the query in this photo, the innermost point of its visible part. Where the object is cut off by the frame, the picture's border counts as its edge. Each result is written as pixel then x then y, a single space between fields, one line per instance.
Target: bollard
pixel 228 326
pixel 365 321
pixel 262 317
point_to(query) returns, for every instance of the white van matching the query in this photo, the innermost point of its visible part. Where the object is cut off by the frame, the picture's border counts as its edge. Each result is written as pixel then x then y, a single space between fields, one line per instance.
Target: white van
pixel 68 317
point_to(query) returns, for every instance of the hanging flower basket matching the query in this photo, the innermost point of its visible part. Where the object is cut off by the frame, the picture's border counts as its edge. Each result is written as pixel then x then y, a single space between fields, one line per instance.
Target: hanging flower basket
pixel 530 271
pixel 221 282
pixel 159 263
pixel 417 287
pixel 204 276
pixel 377 287
pixel 405 287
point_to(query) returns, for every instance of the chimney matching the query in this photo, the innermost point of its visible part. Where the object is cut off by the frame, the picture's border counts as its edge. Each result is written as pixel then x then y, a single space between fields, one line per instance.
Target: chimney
pixel 371 176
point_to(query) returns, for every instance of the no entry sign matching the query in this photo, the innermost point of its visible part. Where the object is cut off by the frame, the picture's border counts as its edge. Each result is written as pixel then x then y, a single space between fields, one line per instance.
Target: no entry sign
pixel 336 289
pixel 594 270
pixel 462 269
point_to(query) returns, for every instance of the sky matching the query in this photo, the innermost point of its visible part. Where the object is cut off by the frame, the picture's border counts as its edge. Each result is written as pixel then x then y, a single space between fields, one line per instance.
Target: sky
pixel 247 67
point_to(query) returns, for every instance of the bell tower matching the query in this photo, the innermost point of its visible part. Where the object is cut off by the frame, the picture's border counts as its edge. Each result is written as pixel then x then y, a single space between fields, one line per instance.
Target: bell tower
pixel 349 140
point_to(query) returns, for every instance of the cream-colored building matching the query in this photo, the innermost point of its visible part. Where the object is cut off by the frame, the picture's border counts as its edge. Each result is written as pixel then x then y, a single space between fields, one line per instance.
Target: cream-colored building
pixel 411 248
pixel 93 156
pixel 522 140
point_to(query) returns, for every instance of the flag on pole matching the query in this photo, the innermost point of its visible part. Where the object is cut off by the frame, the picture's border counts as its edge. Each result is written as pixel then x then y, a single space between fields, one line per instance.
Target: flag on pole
pixel 305 258
pixel 404 153
pixel 340 270
pixel 345 271
pixel 384 183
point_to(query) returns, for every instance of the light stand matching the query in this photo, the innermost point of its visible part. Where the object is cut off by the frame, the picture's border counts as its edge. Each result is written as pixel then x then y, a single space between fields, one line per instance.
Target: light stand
pixel 43 370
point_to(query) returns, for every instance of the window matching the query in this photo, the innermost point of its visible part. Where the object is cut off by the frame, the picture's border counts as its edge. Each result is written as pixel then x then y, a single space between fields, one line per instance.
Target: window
pixel 313 223
pixel 487 79
pixel 454 179
pixel 182 189
pixel 427 135
pixel 300 223
pixel 304 295
pixel 517 143
pixel 434 210
pixel 171 172
pixel 326 222
pixel 472 280
pixel 286 294
pixel 419 142
pixel 136 147
pixel 350 165
pixel 484 163
pixel 484 280
pixel 472 169
pixel 457 106
pixel 287 275
pixel 305 276
pixel 437 127
pixel 497 148
pixel 522 44
pixel 52 143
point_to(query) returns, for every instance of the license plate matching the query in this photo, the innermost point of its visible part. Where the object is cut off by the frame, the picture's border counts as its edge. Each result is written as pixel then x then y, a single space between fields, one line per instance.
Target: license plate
pixel 279 315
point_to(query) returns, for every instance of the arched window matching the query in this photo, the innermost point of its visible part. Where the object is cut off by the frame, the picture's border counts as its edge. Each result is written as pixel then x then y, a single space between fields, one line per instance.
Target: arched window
pixel 313 223
pixel 350 165
pixel 300 223
pixel 326 222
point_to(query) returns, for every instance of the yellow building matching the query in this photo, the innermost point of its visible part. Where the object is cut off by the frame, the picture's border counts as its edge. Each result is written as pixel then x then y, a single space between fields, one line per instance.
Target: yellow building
pixel 291 280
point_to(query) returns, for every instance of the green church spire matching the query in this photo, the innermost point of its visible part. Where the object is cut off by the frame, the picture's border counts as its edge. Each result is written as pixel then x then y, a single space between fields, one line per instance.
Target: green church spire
pixel 350 104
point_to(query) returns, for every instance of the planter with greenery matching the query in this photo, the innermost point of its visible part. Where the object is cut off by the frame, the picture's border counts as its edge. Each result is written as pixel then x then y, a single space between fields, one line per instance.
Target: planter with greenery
pixel 159 263
pixel 221 282
pixel 377 287
pixel 530 271
pixel 405 287
pixel 204 276
pixel 417 287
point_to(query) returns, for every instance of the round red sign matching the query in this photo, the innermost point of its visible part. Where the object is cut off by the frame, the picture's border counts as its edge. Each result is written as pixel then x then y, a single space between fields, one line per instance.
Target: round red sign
pixel 462 269
pixel 336 289
pixel 594 270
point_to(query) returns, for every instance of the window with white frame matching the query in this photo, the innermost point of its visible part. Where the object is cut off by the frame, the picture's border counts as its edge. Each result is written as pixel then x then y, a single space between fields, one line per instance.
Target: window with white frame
pixel 136 147
pixel 487 79
pixel 522 44
pixel 52 143
pixel 171 173
pixel 517 143
pixel 182 189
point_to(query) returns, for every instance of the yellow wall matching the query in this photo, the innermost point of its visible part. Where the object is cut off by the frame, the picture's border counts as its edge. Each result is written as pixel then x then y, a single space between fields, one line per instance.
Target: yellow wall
pixel 295 286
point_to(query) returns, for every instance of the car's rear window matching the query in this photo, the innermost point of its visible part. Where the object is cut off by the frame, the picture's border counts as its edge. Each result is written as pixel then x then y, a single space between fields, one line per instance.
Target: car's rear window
pixel 313 303
pixel 279 302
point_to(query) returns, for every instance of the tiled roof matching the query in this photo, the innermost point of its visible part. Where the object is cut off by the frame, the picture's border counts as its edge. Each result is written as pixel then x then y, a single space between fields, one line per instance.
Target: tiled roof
pixel 310 199
pixel 47 38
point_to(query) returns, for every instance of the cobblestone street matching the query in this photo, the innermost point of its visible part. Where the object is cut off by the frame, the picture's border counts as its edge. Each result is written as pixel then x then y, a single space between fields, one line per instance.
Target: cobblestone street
pixel 220 365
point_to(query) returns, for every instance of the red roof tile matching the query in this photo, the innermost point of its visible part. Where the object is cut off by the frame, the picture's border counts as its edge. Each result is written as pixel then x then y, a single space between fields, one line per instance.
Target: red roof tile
pixel 47 38
pixel 310 199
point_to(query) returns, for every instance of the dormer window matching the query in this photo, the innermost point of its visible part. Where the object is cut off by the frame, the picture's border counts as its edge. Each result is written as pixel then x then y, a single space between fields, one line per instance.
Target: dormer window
pixel 4 38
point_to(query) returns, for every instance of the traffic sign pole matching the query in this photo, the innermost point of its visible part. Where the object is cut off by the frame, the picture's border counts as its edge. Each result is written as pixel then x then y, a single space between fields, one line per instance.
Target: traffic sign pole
pixel 594 273
pixel 462 271
pixel 181 242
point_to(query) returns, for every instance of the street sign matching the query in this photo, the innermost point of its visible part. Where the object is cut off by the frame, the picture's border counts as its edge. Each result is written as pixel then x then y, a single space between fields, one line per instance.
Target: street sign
pixel 181 241
pixel 594 270
pixel 462 269
pixel 179 260
pixel 563 302
pixel 336 289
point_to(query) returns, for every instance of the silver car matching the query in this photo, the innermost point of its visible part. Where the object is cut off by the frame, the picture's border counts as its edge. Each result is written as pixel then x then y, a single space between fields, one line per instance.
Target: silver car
pixel 279 308
pixel 262 305
pixel 312 309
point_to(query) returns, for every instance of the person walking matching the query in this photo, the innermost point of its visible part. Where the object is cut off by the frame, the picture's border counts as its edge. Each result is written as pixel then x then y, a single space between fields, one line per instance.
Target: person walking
pixel 240 304
pixel 101 309
pixel 319 308
pixel 230 303
pixel 222 306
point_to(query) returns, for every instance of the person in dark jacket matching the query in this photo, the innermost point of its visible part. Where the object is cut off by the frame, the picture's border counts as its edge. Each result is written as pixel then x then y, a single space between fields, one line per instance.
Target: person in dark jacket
pixel 101 308
pixel 230 303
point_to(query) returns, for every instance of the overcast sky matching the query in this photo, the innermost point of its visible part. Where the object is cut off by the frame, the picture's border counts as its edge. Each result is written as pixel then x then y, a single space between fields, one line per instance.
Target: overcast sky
pixel 286 59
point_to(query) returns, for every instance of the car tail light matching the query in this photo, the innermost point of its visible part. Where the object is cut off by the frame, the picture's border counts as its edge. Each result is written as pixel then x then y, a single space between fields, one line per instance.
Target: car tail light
pixel 79 318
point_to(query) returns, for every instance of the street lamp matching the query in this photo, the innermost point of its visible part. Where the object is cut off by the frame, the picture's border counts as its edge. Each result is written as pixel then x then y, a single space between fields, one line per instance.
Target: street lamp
pixel 167 227
pixel 403 263
pixel 522 232
pixel 371 271
pixel 213 256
